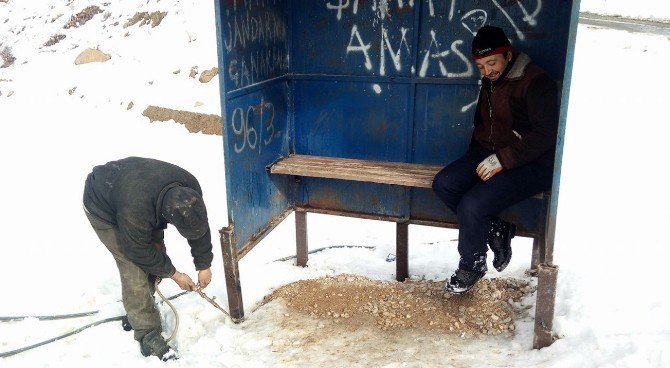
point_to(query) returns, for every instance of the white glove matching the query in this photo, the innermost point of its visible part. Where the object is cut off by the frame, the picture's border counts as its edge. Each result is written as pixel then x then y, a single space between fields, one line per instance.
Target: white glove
pixel 489 167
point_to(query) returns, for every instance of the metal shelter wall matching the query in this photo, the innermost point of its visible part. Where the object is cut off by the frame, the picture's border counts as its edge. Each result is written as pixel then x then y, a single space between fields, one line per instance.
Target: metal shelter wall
pixel 393 81
pixel 253 39
pixel 387 80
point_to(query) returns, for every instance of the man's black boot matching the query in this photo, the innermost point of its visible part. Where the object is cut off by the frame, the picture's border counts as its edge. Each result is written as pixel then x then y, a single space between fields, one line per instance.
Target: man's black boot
pixel 154 344
pixel 499 240
pixel 462 281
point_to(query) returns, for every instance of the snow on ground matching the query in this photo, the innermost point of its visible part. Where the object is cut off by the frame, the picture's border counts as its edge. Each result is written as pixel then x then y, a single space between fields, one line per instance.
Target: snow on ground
pixel 643 9
pixel 612 304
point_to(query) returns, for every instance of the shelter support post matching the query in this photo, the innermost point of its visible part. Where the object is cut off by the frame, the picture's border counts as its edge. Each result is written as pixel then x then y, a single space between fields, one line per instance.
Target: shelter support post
pixel 301 237
pixel 544 310
pixel 540 241
pixel 401 253
pixel 232 274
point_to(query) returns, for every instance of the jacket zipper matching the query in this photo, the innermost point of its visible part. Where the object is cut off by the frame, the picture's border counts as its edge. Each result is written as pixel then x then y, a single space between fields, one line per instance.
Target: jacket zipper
pixel 491 116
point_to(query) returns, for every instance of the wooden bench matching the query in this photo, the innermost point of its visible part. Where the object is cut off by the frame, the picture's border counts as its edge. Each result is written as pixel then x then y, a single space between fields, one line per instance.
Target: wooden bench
pixel 393 173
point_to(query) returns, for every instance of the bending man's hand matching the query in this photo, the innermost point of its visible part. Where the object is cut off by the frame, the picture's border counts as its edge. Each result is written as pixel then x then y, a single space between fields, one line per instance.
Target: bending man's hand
pixel 489 167
pixel 184 281
pixel 204 278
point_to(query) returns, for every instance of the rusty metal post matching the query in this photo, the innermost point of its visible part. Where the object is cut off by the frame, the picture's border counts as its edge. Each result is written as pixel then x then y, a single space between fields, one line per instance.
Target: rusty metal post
pixel 401 252
pixel 301 237
pixel 544 305
pixel 232 274
pixel 540 241
pixel 539 244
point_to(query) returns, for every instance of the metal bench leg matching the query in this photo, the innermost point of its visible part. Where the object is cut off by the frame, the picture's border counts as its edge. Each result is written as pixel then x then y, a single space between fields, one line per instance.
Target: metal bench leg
pixel 301 238
pixel 401 254
pixel 232 274
pixel 539 250
pixel 544 306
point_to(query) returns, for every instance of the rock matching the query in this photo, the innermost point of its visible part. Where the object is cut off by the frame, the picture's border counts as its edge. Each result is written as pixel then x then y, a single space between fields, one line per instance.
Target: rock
pixel 154 18
pixel 194 72
pixel 90 56
pixel 130 105
pixel 207 75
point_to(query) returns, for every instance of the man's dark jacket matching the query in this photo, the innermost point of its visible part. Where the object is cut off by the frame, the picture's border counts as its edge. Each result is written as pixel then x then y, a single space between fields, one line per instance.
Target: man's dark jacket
pixel 517 115
pixel 128 194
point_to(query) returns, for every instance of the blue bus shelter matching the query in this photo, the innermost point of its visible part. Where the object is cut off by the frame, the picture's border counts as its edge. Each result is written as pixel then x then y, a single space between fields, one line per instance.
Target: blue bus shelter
pixel 349 107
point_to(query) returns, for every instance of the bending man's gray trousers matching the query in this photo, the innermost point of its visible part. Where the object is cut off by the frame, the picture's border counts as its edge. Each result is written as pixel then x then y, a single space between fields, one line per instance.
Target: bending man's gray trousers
pixel 137 287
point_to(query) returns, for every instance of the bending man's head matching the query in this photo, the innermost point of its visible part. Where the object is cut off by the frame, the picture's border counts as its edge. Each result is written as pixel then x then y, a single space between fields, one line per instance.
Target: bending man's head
pixel 185 209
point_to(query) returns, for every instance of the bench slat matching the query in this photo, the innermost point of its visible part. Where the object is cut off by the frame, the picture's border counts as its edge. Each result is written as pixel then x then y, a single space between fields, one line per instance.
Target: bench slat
pixel 399 173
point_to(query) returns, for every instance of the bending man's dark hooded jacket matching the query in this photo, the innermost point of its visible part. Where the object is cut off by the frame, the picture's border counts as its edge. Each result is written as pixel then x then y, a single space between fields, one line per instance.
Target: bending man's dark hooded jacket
pixel 517 115
pixel 128 194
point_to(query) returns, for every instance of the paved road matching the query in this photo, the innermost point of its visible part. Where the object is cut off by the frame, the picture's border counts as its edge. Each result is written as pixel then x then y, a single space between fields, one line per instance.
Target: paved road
pixel 630 25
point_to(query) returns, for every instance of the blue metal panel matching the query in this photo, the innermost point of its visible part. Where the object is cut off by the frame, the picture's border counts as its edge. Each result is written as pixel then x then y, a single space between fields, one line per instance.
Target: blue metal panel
pixel 353 37
pixel 256 135
pixel 253 41
pixel 448 27
pixel 351 119
pixel 443 122
pixel 254 36
pixel 353 196
pixel 571 36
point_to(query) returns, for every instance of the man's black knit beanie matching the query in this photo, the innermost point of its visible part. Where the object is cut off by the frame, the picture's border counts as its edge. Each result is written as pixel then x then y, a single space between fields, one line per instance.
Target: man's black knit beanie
pixel 490 41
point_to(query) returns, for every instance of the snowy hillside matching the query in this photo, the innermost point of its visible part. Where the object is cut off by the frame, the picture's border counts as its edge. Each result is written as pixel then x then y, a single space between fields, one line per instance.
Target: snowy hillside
pixel 642 9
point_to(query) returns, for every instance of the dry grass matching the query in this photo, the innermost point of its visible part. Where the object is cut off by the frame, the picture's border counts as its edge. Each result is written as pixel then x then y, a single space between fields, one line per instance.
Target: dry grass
pixel 6 56
pixel 54 40
pixel 82 17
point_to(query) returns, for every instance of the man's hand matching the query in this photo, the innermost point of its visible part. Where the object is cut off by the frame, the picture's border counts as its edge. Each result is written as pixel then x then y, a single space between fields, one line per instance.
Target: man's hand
pixel 184 281
pixel 489 167
pixel 204 278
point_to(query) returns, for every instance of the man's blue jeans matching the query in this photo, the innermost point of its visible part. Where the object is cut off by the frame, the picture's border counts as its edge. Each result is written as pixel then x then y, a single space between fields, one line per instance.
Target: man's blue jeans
pixel 474 201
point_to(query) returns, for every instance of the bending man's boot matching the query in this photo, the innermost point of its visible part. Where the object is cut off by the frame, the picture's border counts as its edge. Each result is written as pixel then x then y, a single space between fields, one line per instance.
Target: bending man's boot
pixel 154 344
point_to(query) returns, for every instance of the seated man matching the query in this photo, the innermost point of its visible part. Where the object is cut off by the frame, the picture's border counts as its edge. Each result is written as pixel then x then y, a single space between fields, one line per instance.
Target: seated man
pixel 510 158
pixel 129 203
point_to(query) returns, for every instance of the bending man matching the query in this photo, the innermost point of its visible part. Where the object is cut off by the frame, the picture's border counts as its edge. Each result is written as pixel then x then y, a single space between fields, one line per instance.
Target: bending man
pixel 129 203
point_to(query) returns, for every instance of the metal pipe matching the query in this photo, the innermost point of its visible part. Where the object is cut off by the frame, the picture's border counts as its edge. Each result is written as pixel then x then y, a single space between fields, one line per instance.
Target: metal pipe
pixel 544 306
pixel 301 238
pixel 232 272
pixel 401 259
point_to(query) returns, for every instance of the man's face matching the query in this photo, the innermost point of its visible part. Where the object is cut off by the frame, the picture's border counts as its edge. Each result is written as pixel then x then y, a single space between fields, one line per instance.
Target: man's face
pixel 492 66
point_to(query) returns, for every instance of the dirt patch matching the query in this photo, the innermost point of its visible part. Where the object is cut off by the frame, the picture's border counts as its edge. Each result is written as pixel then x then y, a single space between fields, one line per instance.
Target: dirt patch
pixel 143 18
pixel 82 17
pixel 355 301
pixel 194 122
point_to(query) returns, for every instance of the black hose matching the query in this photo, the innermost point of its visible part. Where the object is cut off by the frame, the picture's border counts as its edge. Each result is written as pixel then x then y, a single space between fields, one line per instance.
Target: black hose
pixel 63 316
pixel 80 329
pixel 324 248
pixel 49 318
